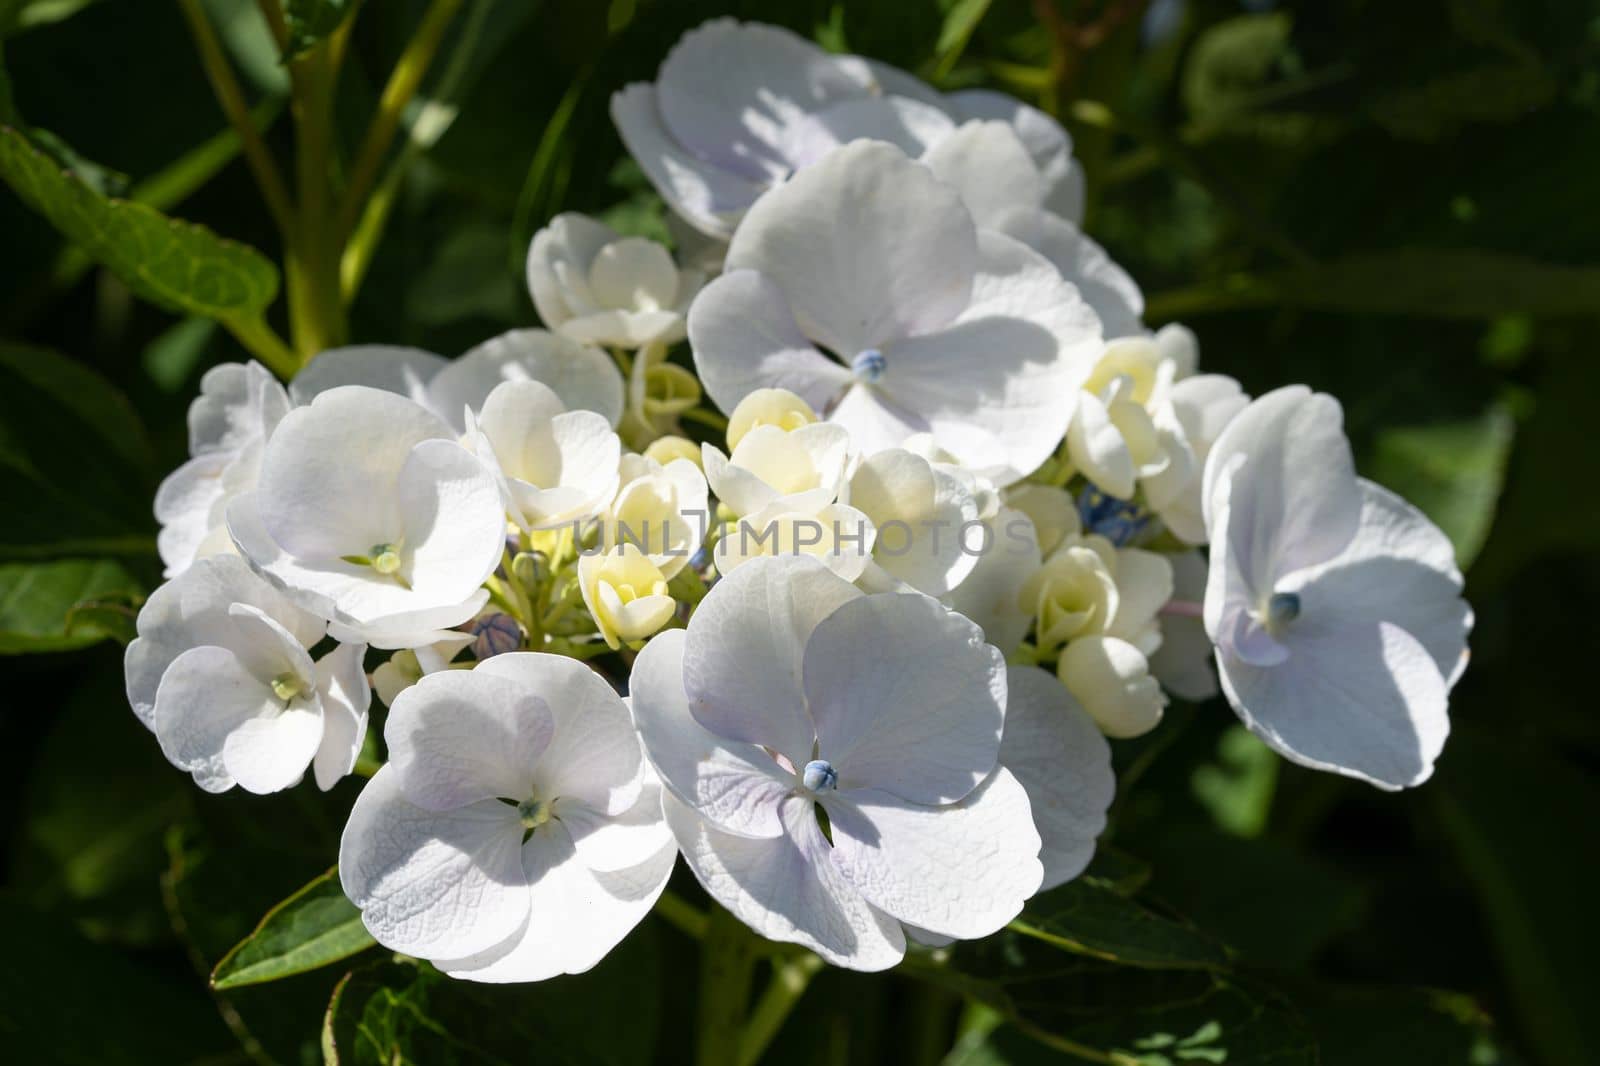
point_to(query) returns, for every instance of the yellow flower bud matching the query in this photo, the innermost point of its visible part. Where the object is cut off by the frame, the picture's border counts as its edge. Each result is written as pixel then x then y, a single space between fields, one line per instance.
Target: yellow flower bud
pixel 768 407
pixel 626 593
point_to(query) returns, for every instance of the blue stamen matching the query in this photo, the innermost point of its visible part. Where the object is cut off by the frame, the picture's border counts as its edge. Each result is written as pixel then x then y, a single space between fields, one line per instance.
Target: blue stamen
pixel 818 775
pixel 869 365
pixel 1119 521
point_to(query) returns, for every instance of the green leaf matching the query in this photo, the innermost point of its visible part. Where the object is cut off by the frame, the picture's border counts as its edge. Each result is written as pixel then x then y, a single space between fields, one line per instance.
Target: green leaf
pixel 1453 471
pixel 314 927
pixel 1230 62
pixel 310 21
pixel 1088 920
pixel 409 1013
pixel 960 21
pixel 63 605
pixel 1128 1015
pixel 1238 787
pixel 176 265
pixel 1422 1027
pixel 75 466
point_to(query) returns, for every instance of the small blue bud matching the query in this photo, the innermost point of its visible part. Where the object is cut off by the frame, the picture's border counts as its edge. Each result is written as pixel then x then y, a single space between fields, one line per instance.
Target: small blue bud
pixel 1282 608
pixel 818 775
pixel 1119 521
pixel 869 365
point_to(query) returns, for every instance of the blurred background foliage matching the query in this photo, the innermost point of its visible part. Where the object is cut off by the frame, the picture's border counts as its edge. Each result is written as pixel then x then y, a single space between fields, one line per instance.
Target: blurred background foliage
pixel 1394 202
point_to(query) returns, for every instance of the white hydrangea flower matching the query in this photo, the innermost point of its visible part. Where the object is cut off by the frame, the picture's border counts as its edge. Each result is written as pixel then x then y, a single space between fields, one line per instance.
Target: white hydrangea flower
pixel 921 514
pixel 1146 422
pixel 792 691
pixel 515 834
pixel 737 108
pixel 595 286
pixel 1334 605
pixel 583 376
pixel 229 422
pixel 934 326
pixel 802 470
pixel 220 672
pixel 371 515
pixel 837 535
pixel 663 510
pixel 626 593
pixel 557 466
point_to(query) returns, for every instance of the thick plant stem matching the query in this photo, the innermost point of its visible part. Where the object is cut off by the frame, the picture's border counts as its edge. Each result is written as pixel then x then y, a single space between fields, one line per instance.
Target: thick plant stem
pixel 790 977
pixel 231 99
pixel 402 86
pixel 728 955
pixel 259 339
pixel 316 314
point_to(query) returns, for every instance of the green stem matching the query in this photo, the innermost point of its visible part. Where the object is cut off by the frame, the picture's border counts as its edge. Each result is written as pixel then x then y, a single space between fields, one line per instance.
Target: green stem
pixel 231 98
pixel 260 341
pixel 790 977
pixel 728 955
pixel 432 122
pixel 402 86
pixel 316 316
pixel 706 418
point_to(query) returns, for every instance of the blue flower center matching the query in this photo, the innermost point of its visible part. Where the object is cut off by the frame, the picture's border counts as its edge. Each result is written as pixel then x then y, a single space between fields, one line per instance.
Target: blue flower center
pixel 818 775
pixel 868 366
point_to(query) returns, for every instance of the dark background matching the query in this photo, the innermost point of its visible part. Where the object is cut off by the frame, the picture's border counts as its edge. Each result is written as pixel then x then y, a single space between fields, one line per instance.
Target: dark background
pixel 1398 203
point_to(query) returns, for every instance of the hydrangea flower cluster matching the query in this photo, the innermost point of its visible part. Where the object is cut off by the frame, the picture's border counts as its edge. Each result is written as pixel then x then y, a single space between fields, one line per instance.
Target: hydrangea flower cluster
pixel 966 519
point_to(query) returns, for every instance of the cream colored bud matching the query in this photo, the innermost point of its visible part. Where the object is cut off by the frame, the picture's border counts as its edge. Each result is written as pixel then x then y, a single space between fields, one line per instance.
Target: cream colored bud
pixel 626 593
pixel 665 449
pixel 1111 678
pixel 768 407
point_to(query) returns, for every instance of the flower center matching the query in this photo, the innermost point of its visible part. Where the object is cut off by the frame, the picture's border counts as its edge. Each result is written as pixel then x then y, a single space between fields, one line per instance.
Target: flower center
pixel 1282 608
pixel 533 813
pixel 287 685
pixel 868 366
pixel 385 559
pixel 819 774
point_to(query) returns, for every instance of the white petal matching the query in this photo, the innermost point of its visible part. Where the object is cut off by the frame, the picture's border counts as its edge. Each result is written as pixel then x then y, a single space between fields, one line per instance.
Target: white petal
pixel 559 258
pixel 183 506
pixel 705 195
pixel 1364 701
pixel 420 629
pixel 593 755
pixel 453 522
pixel 992 594
pixel 584 377
pixel 907 697
pixel 460 736
pixel 962 870
pixel 634 273
pixel 191 610
pixel 619 842
pixel 1107 288
pixel 1294 501
pixel 737 785
pixel 238 404
pixel 988 163
pixel 1096 447
pixel 1058 754
pixel 435 884
pixel 207 693
pixel 345 695
pixel 910 125
pixel 575 916
pixel 404 371
pixel 788 888
pixel 1007 368
pixel 729 90
pixel 328 474
pixel 745 338
pixel 866 247
pixel 743 652
pixel 270 753
pixel 1044 138
pixel 930 508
